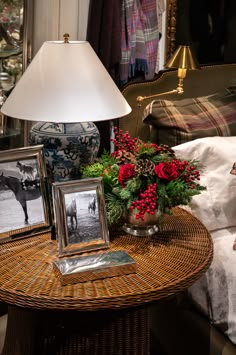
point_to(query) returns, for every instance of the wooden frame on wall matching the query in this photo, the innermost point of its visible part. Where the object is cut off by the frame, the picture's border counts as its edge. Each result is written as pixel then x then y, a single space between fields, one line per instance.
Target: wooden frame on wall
pixel 170 45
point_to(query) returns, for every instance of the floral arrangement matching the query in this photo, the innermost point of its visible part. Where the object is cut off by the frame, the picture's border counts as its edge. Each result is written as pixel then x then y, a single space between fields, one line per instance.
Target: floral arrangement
pixel 143 177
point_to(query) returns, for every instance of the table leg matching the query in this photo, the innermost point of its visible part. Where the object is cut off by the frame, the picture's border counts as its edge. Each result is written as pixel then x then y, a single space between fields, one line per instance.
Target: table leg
pixel 112 332
pixel 19 333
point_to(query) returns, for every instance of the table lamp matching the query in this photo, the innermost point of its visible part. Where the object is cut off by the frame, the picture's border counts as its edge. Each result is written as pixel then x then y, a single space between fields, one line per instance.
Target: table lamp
pixel 183 59
pixel 65 89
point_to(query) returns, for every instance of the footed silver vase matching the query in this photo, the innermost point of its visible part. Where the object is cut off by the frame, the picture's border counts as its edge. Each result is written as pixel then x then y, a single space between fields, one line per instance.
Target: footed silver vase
pixel 139 227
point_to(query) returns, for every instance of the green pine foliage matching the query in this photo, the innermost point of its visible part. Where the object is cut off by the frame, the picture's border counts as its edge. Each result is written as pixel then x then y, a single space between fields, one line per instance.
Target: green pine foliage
pixel 116 208
pixel 93 170
pixel 146 150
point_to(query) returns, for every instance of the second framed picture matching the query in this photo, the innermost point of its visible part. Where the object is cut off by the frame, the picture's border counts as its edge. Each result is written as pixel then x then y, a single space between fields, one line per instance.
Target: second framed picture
pixel 80 216
pixel 24 200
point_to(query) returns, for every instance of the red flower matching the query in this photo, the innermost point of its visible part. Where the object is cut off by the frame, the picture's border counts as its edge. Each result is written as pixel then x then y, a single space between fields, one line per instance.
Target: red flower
pixel 126 172
pixel 167 171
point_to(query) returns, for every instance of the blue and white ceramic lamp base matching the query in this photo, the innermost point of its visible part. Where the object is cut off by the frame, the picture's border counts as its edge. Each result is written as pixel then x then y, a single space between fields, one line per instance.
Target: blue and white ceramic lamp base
pixel 67 146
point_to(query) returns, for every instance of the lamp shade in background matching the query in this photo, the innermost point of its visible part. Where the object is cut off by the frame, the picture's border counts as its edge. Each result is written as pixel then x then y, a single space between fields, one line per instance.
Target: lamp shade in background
pixel 183 58
pixel 65 89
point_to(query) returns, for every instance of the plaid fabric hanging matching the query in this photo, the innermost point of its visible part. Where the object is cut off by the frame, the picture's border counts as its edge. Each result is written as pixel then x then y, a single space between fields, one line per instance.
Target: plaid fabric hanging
pixel 139 39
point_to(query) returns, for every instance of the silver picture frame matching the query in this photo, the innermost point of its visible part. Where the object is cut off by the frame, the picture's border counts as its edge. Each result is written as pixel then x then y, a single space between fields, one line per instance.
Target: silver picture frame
pixel 80 216
pixel 24 198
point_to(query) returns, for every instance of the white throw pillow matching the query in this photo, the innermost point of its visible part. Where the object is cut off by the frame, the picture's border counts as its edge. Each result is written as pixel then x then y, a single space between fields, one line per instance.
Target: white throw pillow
pixel 215 207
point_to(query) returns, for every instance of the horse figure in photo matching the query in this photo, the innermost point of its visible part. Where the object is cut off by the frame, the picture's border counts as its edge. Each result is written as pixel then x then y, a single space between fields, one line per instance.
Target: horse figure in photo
pixel 21 195
pixel 71 213
pixel 92 206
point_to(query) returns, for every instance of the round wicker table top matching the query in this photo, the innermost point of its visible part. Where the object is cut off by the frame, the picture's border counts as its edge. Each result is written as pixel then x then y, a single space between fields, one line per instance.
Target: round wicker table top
pixel 167 263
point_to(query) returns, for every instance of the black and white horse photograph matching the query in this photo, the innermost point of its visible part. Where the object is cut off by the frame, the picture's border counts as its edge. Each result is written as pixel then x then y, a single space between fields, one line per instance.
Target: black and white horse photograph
pixel 21 202
pixel 83 224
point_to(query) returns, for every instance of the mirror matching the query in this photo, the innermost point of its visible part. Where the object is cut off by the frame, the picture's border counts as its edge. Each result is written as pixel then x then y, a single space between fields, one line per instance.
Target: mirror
pixel 15 54
pixel 206 25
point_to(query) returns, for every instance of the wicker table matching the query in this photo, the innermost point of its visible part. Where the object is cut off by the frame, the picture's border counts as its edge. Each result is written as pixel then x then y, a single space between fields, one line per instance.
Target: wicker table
pixel 108 316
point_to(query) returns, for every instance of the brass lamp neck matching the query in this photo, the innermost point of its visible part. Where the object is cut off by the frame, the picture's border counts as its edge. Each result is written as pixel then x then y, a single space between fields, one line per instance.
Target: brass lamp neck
pixel 178 90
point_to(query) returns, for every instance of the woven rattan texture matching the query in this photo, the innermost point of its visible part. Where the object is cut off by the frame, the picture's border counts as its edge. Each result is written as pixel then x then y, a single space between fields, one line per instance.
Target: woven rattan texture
pixel 116 332
pixel 166 263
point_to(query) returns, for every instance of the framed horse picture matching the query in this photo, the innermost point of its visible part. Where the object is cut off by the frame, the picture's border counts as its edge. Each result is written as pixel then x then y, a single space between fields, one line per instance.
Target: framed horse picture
pixel 80 216
pixel 24 202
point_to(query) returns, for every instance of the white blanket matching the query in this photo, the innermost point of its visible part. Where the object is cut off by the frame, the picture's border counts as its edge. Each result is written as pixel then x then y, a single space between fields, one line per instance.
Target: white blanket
pixel 215 292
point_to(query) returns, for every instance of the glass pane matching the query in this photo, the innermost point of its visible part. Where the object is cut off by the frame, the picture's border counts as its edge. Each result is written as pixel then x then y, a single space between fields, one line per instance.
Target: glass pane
pixel 11 59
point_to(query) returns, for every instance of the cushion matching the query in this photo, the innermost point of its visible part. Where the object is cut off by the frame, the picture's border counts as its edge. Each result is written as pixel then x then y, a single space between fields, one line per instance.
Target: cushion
pixel 177 122
pixel 215 207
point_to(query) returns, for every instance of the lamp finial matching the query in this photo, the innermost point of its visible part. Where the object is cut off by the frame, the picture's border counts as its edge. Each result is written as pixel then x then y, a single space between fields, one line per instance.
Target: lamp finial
pixel 66 37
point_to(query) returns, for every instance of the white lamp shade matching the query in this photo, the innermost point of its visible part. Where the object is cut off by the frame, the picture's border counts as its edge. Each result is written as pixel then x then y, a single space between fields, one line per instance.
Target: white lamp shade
pixel 66 82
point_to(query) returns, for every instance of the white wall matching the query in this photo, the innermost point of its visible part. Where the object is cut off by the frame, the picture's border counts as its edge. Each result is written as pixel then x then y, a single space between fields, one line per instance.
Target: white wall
pixel 162 41
pixel 53 18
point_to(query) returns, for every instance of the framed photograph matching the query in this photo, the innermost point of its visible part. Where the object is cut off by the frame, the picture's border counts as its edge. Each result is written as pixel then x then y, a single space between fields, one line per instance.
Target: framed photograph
pixel 80 216
pixel 24 202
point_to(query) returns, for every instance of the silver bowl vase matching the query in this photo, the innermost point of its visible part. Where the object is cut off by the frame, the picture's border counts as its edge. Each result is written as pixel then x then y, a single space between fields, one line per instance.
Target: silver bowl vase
pixel 139 227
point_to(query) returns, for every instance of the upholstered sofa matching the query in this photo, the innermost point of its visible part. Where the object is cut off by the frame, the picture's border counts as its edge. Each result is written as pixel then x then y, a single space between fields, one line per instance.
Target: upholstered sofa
pixel 209 80
pixel 179 325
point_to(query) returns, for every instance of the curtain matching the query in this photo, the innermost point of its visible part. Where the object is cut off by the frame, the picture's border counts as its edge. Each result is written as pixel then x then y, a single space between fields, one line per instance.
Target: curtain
pixel 103 33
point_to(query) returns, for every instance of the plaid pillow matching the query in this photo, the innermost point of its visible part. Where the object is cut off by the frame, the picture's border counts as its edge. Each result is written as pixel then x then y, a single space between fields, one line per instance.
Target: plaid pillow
pixel 177 122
